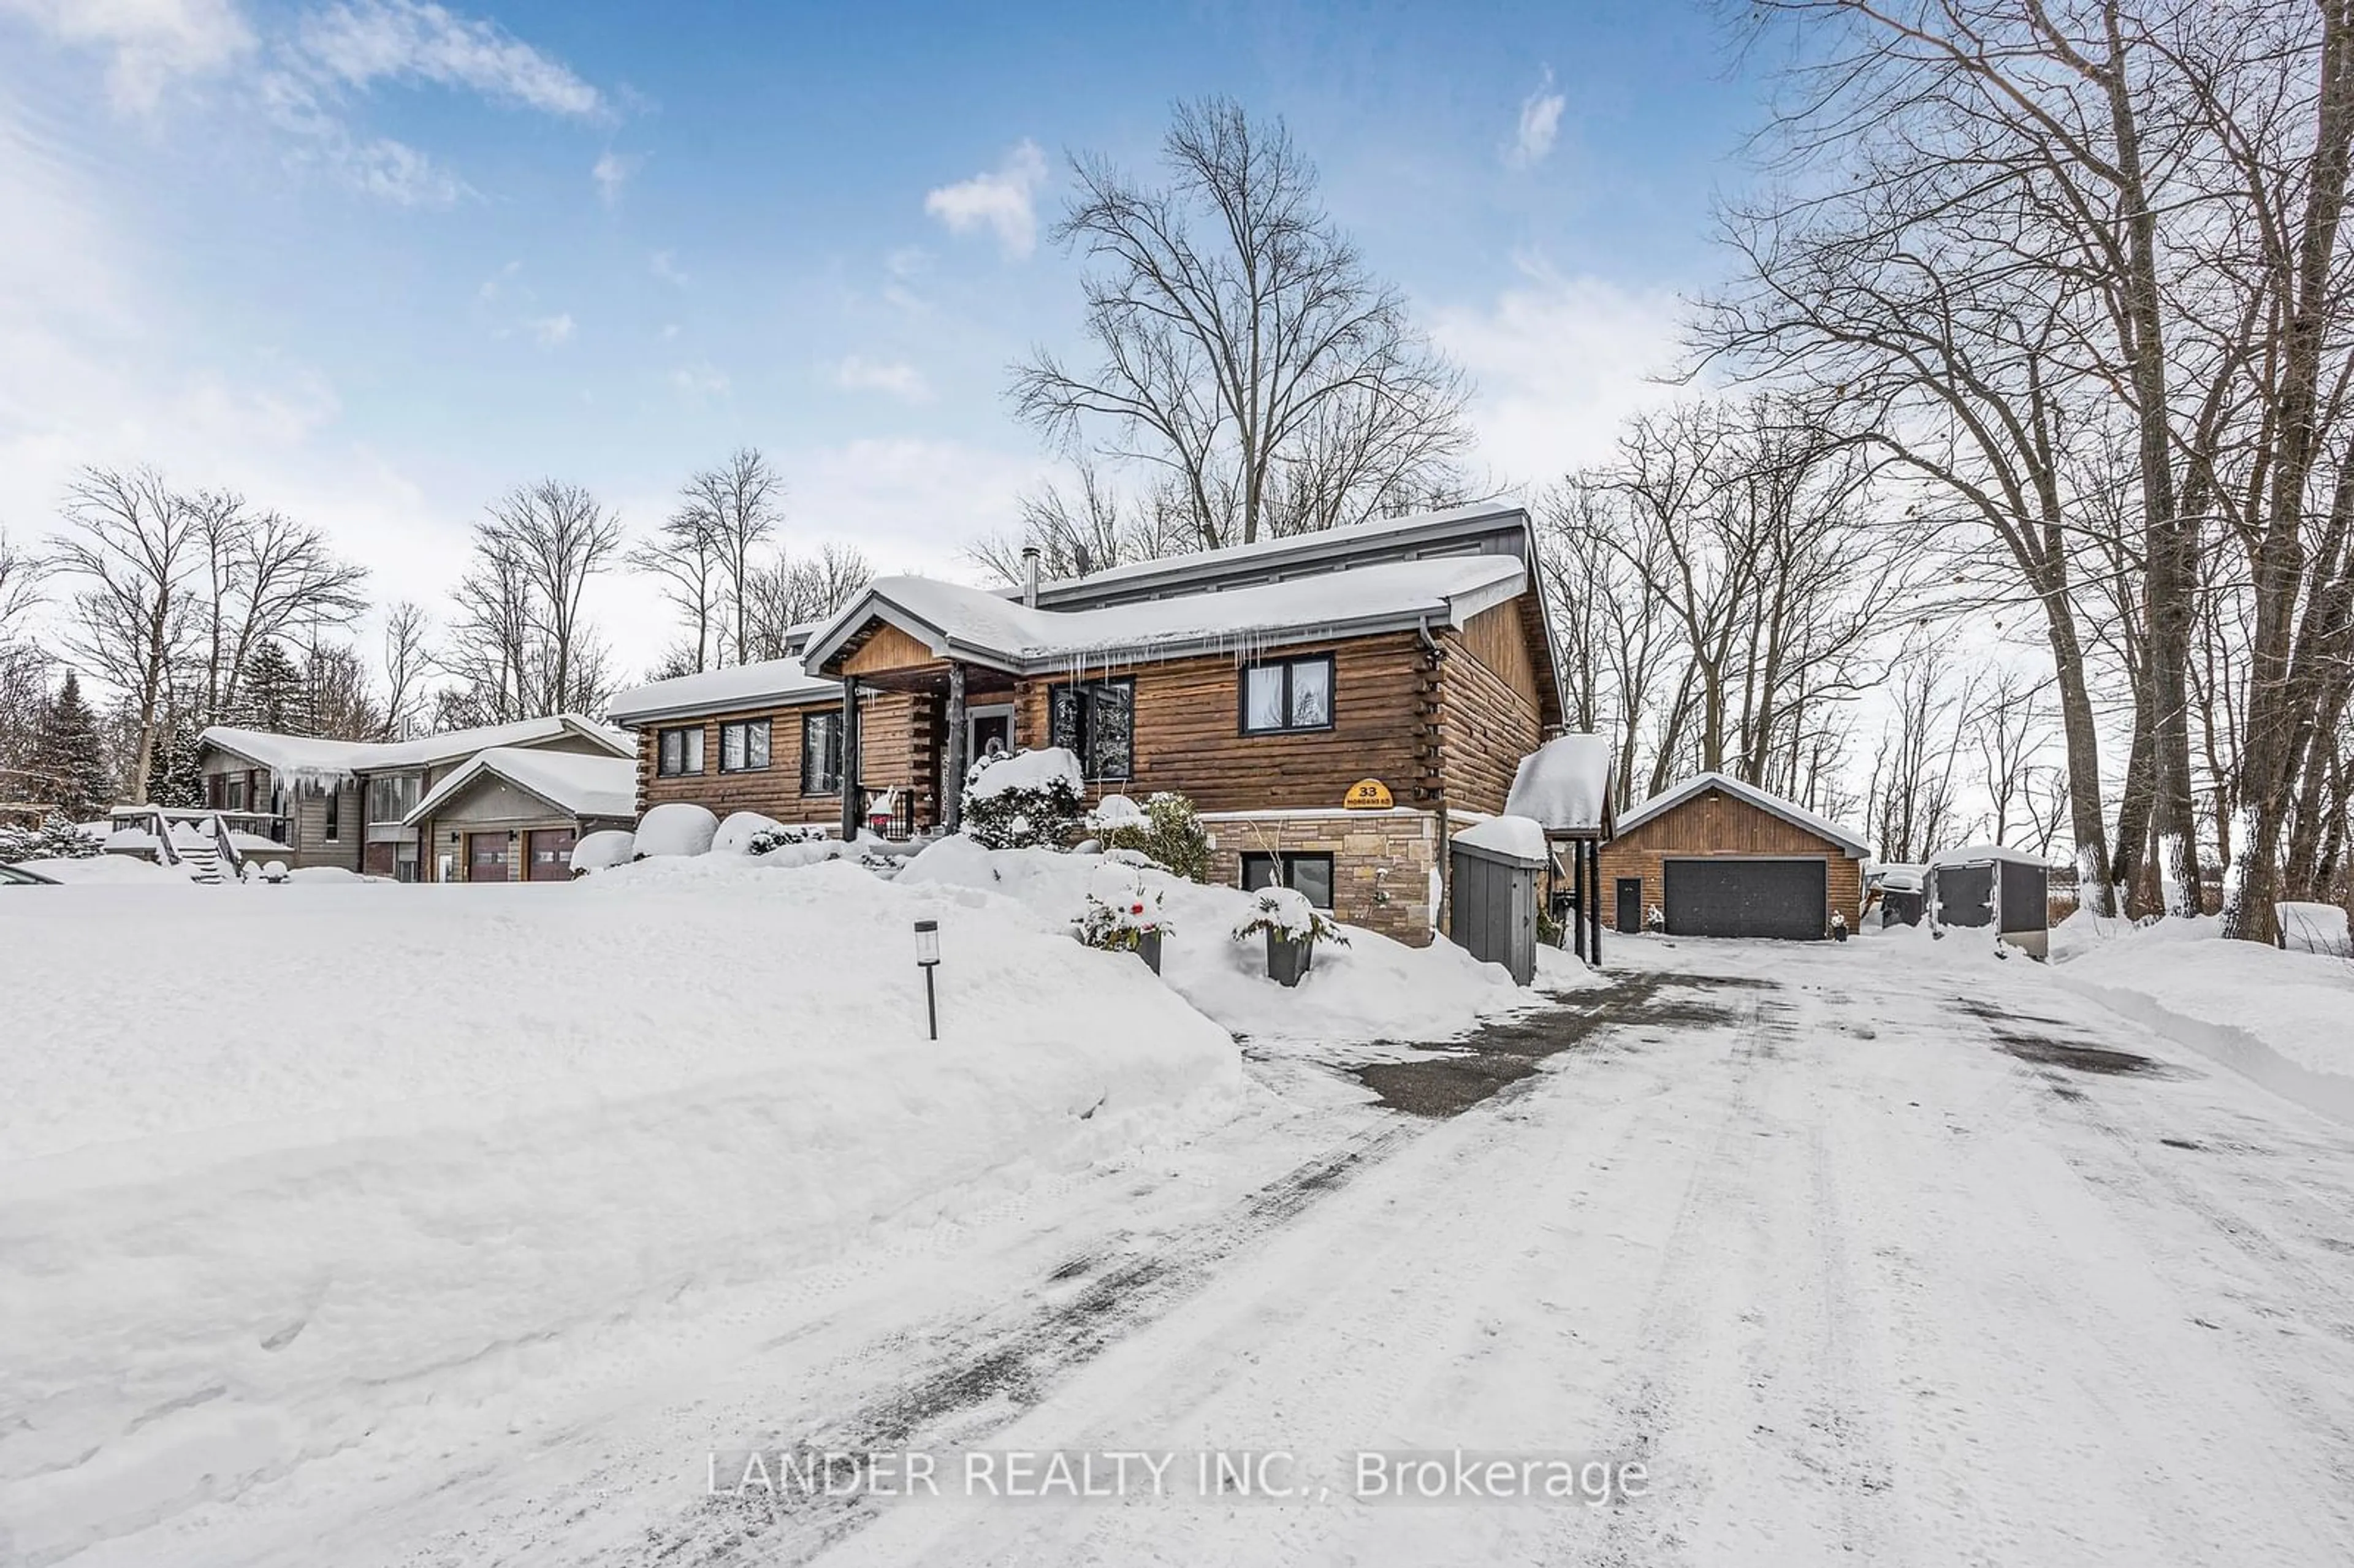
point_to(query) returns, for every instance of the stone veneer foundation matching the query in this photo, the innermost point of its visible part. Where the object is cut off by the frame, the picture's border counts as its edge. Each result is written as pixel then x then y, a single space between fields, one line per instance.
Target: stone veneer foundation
pixel 1382 861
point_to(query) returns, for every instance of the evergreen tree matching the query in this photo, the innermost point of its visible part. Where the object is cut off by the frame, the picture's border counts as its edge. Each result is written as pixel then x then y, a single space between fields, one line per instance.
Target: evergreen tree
pixel 271 691
pixel 72 756
pixel 174 778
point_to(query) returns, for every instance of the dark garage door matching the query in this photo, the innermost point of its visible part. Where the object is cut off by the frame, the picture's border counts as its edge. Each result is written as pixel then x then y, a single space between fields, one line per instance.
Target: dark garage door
pixel 1747 897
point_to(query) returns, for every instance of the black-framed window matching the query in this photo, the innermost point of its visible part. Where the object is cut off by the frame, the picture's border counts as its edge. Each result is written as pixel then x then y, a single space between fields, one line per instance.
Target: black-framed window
pixel 1308 874
pixel 821 754
pixel 743 745
pixel 1286 695
pixel 1096 719
pixel 680 752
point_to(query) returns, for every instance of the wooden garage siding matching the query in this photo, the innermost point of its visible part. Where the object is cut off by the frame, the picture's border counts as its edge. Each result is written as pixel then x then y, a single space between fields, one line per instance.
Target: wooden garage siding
pixel 1711 824
pixel 889 751
pixel 1189 721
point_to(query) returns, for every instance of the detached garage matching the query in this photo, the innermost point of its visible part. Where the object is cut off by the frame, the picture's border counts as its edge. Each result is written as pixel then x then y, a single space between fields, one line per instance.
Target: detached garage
pixel 513 815
pixel 1717 857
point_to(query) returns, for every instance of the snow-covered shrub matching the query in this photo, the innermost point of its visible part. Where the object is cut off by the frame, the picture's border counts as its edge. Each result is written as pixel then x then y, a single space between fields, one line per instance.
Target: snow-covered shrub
pixel 735 835
pixel 777 835
pixel 675 826
pixel 1121 908
pixel 1285 912
pixel 1655 920
pixel 602 851
pixel 1176 837
pixel 1025 800
pixel 1119 823
pixel 55 839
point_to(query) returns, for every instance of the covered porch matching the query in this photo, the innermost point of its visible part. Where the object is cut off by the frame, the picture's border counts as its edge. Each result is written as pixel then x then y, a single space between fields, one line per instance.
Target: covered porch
pixel 960 708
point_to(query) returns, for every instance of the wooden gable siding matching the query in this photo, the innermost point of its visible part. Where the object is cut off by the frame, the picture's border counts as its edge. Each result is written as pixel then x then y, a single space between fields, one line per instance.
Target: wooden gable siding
pixel 885 647
pixel 892 749
pixel 1716 823
pixel 1488 712
pixel 1189 729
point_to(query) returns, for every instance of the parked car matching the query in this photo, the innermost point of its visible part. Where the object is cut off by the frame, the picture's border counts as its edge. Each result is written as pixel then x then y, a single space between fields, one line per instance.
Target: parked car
pixel 17 876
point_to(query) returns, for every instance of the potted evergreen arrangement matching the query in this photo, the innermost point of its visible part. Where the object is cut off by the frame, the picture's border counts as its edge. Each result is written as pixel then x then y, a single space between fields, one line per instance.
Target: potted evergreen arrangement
pixel 1292 926
pixel 1122 914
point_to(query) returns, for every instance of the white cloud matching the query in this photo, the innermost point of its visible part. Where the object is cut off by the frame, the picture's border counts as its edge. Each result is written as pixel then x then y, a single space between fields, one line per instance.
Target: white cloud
pixel 1560 361
pixel 1004 202
pixel 361 42
pixel 154 42
pixel 897 378
pixel 612 171
pixel 549 331
pixel 701 380
pixel 1540 125
pixel 665 266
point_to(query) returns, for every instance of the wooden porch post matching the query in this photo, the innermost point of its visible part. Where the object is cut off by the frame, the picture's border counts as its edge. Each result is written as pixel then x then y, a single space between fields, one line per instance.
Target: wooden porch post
pixel 1594 853
pixel 952 787
pixel 851 804
pixel 1578 896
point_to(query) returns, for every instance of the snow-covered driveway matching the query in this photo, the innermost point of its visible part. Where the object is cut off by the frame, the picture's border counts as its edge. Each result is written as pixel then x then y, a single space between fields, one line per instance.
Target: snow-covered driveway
pixel 1860 1271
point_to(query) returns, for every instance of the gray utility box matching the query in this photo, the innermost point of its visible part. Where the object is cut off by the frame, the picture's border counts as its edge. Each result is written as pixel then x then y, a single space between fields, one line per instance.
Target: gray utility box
pixel 1493 910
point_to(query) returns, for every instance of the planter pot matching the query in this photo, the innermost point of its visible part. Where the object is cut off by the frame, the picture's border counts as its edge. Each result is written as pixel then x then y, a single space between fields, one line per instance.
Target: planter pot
pixel 1147 947
pixel 1287 959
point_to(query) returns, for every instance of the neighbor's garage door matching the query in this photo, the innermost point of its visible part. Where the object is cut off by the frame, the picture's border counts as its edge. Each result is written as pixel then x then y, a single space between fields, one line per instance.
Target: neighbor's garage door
pixel 1747 897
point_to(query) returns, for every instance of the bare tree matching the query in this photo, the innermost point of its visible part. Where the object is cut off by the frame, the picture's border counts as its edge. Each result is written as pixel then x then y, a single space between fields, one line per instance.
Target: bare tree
pixel 686 554
pixel 407 663
pixel 2007 727
pixel 735 509
pixel 792 592
pixel 1913 801
pixel 1090 530
pixel 1245 352
pixel 139 550
pixel 21 572
pixel 518 646
pixel 267 577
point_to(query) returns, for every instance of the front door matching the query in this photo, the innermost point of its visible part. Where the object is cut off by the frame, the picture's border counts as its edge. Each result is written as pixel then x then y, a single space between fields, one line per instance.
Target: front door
pixel 1630 903
pixel 486 857
pixel 987 727
pixel 551 856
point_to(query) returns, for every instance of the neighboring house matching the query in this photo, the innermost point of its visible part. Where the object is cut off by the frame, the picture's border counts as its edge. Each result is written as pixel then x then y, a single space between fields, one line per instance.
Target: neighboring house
pixel 1722 858
pixel 347 803
pixel 513 813
pixel 1263 681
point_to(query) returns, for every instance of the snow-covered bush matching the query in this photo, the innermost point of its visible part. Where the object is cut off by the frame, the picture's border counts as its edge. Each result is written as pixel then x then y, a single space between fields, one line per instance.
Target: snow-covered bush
pixel 1655 920
pixel 1176 837
pixel 1285 912
pixel 602 851
pixel 777 835
pixel 675 826
pixel 1121 908
pixel 1025 800
pixel 1119 823
pixel 55 839
pixel 735 835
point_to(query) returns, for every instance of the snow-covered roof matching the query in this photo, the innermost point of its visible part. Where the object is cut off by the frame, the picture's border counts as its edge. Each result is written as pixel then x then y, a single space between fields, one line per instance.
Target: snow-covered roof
pixel 1564 784
pixel 1788 811
pixel 1520 838
pixel 771 682
pixel 979 627
pixel 1897 878
pixel 1979 855
pixel 314 761
pixel 573 782
pixel 1374 534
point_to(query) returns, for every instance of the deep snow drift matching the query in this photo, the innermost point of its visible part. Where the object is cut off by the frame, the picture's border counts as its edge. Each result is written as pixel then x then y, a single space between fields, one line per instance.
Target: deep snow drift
pixel 279 1160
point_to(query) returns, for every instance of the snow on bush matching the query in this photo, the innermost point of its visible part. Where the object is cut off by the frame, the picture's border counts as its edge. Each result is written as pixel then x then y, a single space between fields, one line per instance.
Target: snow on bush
pixel 735 835
pixel 1122 905
pixel 1164 829
pixel 55 839
pixel 1025 800
pixel 675 826
pixel 1285 912
pixel 768 840
pixel 237 1238
pixel 602 850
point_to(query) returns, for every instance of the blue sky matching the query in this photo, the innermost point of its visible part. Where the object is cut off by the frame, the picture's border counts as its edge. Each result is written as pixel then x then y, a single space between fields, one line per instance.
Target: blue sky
pixel 374 261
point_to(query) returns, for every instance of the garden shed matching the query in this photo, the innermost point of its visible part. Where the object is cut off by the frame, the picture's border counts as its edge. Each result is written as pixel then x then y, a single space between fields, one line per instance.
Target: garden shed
pixel 1981 886
pixel 1492 910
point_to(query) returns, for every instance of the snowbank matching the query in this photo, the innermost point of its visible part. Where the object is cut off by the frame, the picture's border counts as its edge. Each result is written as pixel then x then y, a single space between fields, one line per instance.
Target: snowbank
pixel 675 826
pixel 610 847
pixel 2314 928
pixel 120 870
pixel 2248 1005
pixel 240 1229
pixel 1373 990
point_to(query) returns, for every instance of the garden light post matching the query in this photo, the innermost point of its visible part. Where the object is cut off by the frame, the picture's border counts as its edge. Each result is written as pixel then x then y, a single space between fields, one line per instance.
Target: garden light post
pixel 927 958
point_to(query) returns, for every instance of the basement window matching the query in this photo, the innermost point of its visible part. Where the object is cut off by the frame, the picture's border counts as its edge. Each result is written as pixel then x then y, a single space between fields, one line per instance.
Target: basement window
pixel 1308 874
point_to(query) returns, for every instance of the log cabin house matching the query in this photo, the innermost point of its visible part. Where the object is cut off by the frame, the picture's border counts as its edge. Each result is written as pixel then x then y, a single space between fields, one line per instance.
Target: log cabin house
pixel 1265 682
